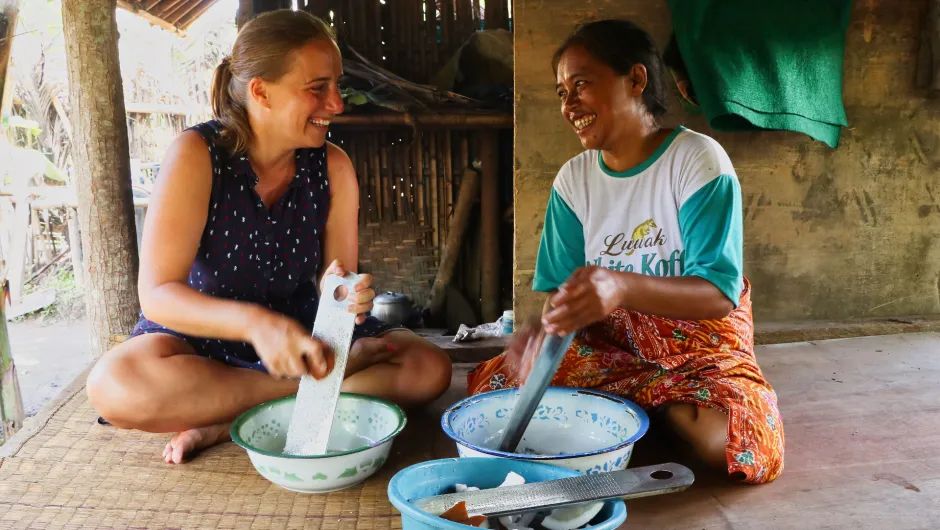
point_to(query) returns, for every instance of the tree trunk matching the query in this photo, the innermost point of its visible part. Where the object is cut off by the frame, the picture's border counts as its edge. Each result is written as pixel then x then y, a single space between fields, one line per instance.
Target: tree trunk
pixel 489 213
pixel 11 401
pixel 102 162
pixel 8 11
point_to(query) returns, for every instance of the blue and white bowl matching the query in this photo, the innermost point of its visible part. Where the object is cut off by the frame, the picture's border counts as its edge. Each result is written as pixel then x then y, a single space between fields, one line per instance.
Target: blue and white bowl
pixel 584 430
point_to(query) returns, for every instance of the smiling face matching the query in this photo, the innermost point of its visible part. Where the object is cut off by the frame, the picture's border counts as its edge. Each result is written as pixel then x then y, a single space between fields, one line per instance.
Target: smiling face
pixel 600 105
pixel 301 104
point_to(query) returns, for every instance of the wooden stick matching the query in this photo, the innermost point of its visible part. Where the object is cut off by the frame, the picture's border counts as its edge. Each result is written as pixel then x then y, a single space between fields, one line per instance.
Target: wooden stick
pixel 420 39
pixel 47 265
pixel 469 191
pixel 432 196
pixel 398 182
pixel 17 265
pixel 448 179
pixel 433 45
pixel 443 187
pixel 362 174
pixel 376 176
pixel 489 213
pixel 407 162
pixel 464 152
pixel 420 198
pixel 457 121
pixel 377 29
pixel 47 233
pixel 447 27
pixel 40 252
pixel 12 414
pixel 386 178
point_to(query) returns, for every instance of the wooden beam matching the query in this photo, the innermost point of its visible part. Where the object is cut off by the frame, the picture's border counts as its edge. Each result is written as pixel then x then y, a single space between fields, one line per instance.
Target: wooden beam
pixel 490 299
pixel 174 15
pixel 451 120
pixel 134 107
pixel 196 13
pixel 149 17
pixel 466 198
pixel 165 7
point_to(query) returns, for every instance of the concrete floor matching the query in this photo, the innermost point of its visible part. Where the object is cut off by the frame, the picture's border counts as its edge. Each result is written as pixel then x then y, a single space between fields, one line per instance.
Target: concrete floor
pixel 47 358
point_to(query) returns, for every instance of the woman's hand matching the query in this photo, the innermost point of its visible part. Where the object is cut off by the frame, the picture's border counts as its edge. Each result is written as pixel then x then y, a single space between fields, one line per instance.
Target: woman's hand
pixel 287 349
pixel 360 300
pixel 521 352
pixel 589 295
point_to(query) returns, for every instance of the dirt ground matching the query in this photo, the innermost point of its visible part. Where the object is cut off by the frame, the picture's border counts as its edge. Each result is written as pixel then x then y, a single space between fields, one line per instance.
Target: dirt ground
pixel 47 358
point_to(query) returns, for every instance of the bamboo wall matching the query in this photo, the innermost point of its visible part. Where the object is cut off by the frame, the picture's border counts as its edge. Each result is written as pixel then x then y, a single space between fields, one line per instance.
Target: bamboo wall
pixel 408 181
pixel 400 36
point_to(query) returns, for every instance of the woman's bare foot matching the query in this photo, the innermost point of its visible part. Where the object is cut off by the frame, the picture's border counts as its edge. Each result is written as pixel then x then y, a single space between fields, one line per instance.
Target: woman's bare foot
pixel 192 440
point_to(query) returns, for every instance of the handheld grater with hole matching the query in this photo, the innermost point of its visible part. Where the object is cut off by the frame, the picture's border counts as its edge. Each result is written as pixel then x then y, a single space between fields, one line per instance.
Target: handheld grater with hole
pixel 312 420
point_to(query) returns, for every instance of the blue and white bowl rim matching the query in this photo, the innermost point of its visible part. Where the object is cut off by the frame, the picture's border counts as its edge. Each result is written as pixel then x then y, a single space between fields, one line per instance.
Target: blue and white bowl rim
pixel 631 407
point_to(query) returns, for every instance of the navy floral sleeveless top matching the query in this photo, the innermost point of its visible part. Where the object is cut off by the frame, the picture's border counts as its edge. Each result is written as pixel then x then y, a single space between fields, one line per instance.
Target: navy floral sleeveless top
pixel 248 253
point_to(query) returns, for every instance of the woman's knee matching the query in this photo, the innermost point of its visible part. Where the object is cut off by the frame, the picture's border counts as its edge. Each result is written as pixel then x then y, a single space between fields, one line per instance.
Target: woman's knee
pixel 705 429
pixel 118 385
pixel 428 368
pixel 111 387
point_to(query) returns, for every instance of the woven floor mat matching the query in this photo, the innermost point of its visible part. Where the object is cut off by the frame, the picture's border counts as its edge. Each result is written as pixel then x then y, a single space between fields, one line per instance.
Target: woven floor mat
pixel 67 471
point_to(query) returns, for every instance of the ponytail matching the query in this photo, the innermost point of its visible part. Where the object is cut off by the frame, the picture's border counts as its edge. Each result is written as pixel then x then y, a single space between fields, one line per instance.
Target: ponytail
pixel 229 108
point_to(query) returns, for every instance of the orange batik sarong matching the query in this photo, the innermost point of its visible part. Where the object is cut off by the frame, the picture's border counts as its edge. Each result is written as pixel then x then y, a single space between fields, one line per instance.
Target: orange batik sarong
pixel 654 361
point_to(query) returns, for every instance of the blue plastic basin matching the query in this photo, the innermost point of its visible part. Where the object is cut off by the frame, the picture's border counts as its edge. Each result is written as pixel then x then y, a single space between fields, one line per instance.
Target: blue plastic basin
pixel 439 476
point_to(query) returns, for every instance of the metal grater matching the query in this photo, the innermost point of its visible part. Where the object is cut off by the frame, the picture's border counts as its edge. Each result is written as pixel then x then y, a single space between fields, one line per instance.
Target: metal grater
pixel 315 405
pixel 543 370
pixel 511 500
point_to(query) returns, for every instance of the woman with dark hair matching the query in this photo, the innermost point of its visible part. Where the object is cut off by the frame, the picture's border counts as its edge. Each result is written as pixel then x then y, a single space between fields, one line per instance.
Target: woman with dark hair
pixel 642 255
pixel 250 212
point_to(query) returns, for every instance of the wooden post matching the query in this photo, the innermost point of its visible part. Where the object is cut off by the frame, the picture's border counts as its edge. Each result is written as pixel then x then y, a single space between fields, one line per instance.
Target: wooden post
pixel 17 265
pixel 489 219
pixel 11 400
pixel 469 191
pixel 103 168
pixel 246 10
pixel 9 9
pixel 432 192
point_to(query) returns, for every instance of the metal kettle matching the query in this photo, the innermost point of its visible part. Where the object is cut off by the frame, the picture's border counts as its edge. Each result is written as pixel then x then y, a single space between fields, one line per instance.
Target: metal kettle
pixel 394 309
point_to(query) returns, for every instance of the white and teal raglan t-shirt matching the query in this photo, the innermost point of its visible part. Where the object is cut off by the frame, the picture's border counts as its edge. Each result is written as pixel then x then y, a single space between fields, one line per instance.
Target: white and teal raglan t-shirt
pixel 676 214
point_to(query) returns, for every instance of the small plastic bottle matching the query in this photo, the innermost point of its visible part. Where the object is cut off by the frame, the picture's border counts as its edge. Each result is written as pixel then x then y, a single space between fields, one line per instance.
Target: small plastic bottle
pixel 507 322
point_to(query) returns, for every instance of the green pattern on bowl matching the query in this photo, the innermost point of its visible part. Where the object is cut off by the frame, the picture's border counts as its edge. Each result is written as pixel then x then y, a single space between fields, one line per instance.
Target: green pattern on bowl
pixel 357 449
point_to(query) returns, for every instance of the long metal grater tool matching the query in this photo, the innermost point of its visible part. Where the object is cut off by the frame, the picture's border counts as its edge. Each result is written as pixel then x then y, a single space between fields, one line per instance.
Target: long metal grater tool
pixel 543 370
pixel 510 500
pixel 312 420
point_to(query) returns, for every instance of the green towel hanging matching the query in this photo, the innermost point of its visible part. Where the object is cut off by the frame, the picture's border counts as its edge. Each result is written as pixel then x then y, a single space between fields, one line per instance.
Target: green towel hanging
pixel 767 64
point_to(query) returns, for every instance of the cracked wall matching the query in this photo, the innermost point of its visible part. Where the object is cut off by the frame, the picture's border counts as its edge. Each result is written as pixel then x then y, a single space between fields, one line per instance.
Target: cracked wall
pixel 852 232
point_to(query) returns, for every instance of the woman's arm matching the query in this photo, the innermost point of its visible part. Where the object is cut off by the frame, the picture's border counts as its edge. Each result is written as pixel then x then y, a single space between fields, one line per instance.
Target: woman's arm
pixel 176 219
pixel 341 240
pixel 592 293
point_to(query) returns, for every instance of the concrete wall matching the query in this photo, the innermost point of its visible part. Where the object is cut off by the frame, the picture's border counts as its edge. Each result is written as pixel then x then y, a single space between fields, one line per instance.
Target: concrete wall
pixel 829 233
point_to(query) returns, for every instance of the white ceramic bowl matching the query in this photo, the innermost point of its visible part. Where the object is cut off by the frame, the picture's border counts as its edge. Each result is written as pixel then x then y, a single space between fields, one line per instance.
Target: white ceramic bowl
pixel 363 430
pixel 583 430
